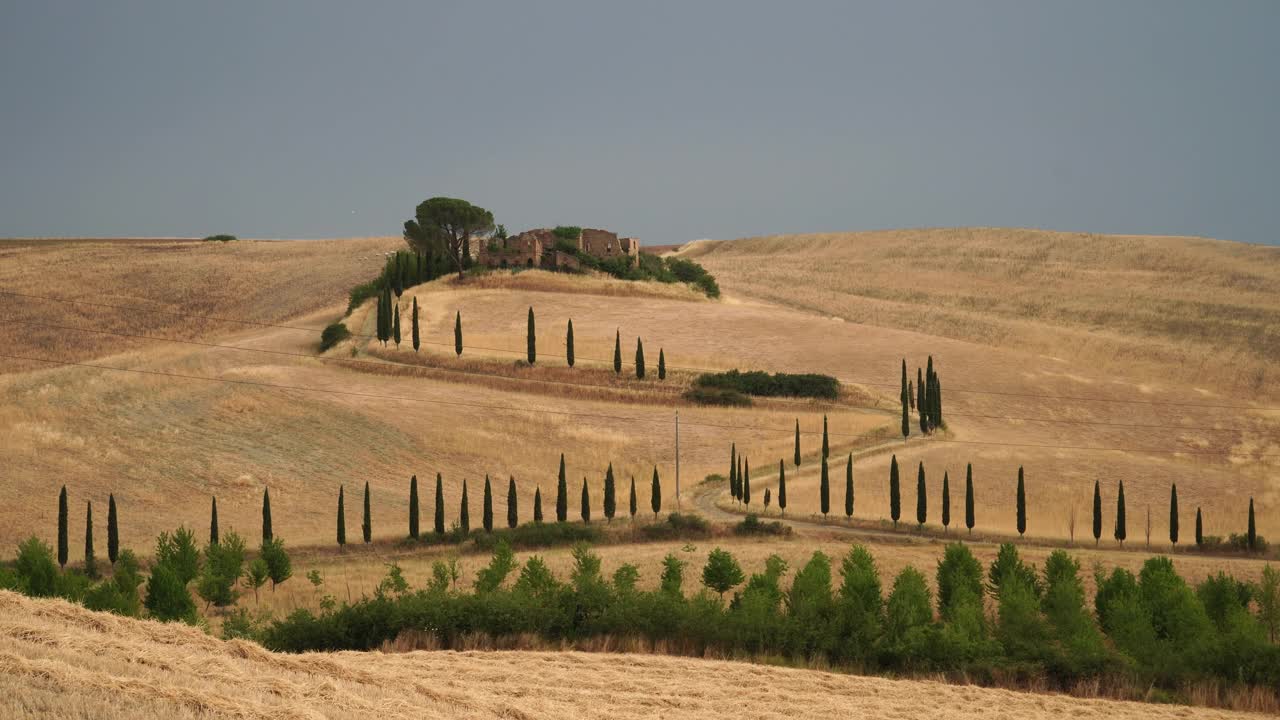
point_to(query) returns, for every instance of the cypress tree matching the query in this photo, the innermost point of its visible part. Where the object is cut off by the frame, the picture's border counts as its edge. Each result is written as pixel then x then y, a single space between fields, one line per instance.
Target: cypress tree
pixel 562 495
pixel 568 343
pixel 1252 533
pixel 766 499
pixel 513 504
pixel 537 505
pixel 439 514
pixel 655 494
pixel 62 528
pixel 739 496
pixel 413 507
pixel 946 502
pixel 366 525
pixel 113 531
pixel 1199 530
pixel 416 337
pixel 968 498
pixel 457 335
pixel 662 365
pixel 213 521
pixel 746 482
pixel 905 395
pixel 906 422
pixel 1022 504
pixel 848 487
pixel 395 324
pixel 617 352
pixel 639 359
pixel 532 341
pixel 266 516
pixel 782 488
pixel 922 402
pixel 632 505
pixel 824 490
pixel 486 513
pixel 610 498
pixel 1121 531
pixel 464 511
pixel 342 518
pixel 585 511
pixel 797 455
pixel 895 492
pixel 733 470
pixel 90 559
pixel 381 316
pixel 936 397
pixel 1097 512
pixel 1173 515
pixel 922 499
pixel 826 447
pixel 911 394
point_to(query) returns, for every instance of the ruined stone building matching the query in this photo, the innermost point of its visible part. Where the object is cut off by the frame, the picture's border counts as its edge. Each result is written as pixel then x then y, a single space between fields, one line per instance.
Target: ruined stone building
pixel 542 248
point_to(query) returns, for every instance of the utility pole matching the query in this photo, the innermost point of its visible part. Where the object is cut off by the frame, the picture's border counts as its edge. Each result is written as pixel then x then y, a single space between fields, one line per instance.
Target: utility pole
pixel 677 460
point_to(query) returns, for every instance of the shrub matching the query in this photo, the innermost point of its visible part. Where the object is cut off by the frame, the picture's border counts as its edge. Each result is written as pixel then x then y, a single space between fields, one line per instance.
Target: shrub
pixel 178 551
pixel 167 596
pixel 751 525
pixel 677 527
pixel 959 576
pixel 37 573
pixel 717 396
pixel 568 233
pixel 220 238
pixel 333 334
pixel 762 384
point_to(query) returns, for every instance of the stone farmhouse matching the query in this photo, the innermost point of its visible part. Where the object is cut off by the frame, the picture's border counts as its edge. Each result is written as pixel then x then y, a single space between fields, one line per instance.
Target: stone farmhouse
pixel 542 248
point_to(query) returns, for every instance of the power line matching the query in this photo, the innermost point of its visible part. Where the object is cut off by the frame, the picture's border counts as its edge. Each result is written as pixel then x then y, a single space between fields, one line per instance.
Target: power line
pixel 380 364
pixel 567 413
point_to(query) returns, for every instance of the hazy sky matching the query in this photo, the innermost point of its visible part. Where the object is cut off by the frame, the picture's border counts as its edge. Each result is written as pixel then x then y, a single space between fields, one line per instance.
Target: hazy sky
pixel 670 121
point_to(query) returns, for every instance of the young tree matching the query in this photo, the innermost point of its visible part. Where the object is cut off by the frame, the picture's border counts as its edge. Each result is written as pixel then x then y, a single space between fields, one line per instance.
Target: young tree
pixel 342 518
pixel 439 514
pixel 413 507
pixel 946 502
pixel 266 514
pixel 1199 530
pixel 610 498
pixel 1022 504
pixel 1173 515
pixel 1097 512
pixel 464 511
pixel 447 224
pixel 824 489
pixel 63 546
pixel 167 597
pixel 562 494
pixel 639 359
pixel 968 497
pixel 796 459
pixel 531 351
pixel 568 343
pixel 90 559
pixel 366 525
pixel 848 487
pixel 223 566
pixel 922 499
pixel 486 513
pixel 655 494
pixel 417 338
pixel 457 334
pixel 722 572
pixel 113 531
pixel 213 521
pixel 179 552
pixel 617 352
pixel 585 511
pixel 537 505
pixel 895 492
pixel 632 504
pixel 1251 533
pixel 746 481
pixel 257 576
pixel 1121 531
pixel 513 504
pixel 662 365
pixel 279 565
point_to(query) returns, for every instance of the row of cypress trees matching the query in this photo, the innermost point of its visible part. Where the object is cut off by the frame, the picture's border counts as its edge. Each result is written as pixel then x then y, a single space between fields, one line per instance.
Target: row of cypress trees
pixel 926 399
pixel 90 556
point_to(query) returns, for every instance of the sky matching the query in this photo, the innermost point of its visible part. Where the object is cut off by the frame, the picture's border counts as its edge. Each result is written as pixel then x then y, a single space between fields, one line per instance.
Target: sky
pixel 670 121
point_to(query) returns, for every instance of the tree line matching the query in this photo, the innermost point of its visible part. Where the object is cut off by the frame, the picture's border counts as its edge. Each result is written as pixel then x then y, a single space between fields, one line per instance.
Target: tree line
pixel 925 399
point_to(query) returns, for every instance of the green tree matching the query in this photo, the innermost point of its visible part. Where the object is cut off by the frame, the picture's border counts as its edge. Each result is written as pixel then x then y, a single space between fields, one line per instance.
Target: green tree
pixel 417 338
pixel 279 565
pixel 1268 599
pixel 746 481
pixel 439 509
pixel 1121 530
pixel 922 499
pixel 63 542
pixel 610 499
pixel 457 334
pixel 782 488
pixel 257 576
pixel 167 597
pixel 513 504
pixel 223 566
pixel 908 609
pixel 617 352
pixel 486 512
pixel 906 421
pixel 442 224
pixel 562 494
pixel 113 531
pixel 366 524
pixel 1097 512
pixel 464 511
pixel 922 402
pixel 531 352
pixel 959 577
pixel 797 453
pixel 824 489
pixel 1199 530
pixel 37 573
pixel 905 395
pixel 895 492
pixel 1022 504
pixel 733 470
pixel 672 580
pixel 395 325
pixel 632 505
pixel 722 572
pixel 968 498
pixel 946 501
pixel 178 551
pixel 639 359
pixel 859 605
pixel 413 507
pixel 826 446
pixel 848 487
pixel 1173 515
pixel 655 494
pixel 568 343
pixel 585 511
pixel 537 505
pixel 90 559
pixel 662 365
pixel 266 514
pixel 342 518
pixel 213 521
pixel 1251 533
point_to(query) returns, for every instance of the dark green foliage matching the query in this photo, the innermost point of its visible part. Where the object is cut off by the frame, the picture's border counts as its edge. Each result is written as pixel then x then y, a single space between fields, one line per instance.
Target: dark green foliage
pixel 1007 564
pixel 824 489
pixel 733 470
pixel 537 505
pixel 906 421
pixel 464 511
pixel 63 546
pixel 113 531
pixel 335 333
pixel 848 487
pixel 922 401
pixel 631 505
pixel 722 572
pixel 810 606
pixel 1121 530
pixel 531 341
pixel 639 359
pixel 1252 531
pixel 513 504
pixel 342 518
pixel 167 597
pixel 617 352
pixel 417 337
pixel 585 510
pixel 751 525
pixel 457 333
pixel 826 446
pixel 1097 512
pixel 395 325
pixel 178 551
pixel 969 519
pixel 946 500
pixel 223 237
pixel 366 523
pixel 716 396
pixel 266 515
pixel 763 384
pixel 859 610
pixel 486 512
pixel 662 365
pixel 567 232
pixel 568 343
pixel 746 482
pixel 922 498
pixel 413 507
pixel 1173 514
pixel 1022 503
pixel 908 613
pixel 279 565
pixel 36 571
pixel 562 494
pixel 906 401
pixel 223 566
pixel 90 559
pixel 895 492
pixel 213 521
pixel 610 494
pixel 796 459
pixel 959 579
pixel 119 593
pixel 445 226
pixel 438 522
pixel 782 487
pixel 677 527
pixel 501 564
pixel 1199 529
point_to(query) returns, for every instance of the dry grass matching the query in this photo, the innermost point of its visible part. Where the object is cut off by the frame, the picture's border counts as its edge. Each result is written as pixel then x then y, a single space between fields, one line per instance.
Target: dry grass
pixel 587 284
pixel 59 660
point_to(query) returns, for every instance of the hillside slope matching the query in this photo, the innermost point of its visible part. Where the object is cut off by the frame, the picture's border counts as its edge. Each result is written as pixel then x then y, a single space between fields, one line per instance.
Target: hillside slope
pixel 59 660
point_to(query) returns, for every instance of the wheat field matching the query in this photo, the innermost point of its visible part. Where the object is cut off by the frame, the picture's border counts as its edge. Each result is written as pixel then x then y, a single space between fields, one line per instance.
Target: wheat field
pixel 59 660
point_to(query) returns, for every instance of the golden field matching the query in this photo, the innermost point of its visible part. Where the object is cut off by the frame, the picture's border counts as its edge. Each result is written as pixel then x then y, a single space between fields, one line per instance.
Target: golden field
pixel 57 659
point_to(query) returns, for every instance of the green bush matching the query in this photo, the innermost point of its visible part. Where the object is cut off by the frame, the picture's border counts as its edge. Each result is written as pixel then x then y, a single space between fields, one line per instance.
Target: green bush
pixel 751 525
pixel 167 596
pixel 37 573
pixel 333 334
pixel 567 232
pixel 220 238
pixel 762 384
pixel 677 527
pixel 717 396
